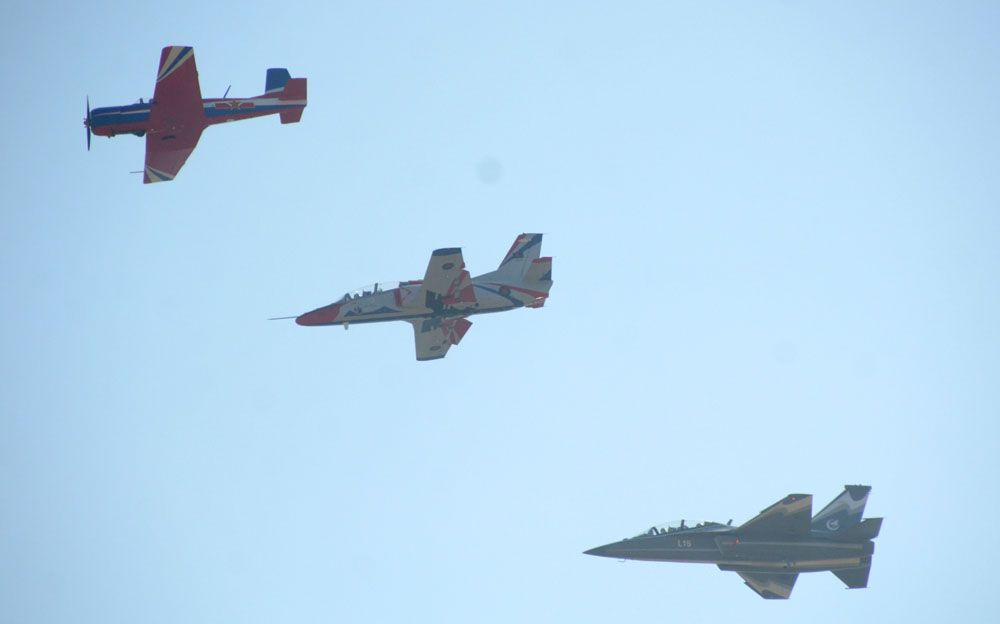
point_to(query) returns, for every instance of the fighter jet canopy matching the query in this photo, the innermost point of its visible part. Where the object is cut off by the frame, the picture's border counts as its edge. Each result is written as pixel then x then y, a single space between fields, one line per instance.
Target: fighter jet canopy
pixel 369 289
pixel 683 525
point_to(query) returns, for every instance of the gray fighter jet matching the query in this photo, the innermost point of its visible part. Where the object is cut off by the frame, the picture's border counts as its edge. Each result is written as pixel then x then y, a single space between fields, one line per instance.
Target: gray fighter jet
pixel 770 551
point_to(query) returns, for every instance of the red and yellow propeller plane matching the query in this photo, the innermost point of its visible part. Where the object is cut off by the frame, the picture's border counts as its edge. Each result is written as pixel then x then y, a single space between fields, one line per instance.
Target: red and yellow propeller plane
pixel 174 119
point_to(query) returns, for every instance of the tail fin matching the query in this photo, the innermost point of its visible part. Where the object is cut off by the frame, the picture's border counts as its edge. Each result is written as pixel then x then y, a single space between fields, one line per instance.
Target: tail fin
pixel 843 512
pixel 523 252
pixel 276 79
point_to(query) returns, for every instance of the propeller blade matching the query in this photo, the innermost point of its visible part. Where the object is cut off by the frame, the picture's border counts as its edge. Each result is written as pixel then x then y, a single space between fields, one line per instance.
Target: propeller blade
pixel 87 123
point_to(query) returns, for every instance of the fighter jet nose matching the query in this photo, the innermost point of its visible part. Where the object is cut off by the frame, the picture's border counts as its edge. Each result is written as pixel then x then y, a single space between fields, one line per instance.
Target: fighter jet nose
pixel 600 551
pixel 321 316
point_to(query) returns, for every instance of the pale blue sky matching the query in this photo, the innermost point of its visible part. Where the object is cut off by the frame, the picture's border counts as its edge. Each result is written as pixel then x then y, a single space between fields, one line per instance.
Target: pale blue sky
pixel 775 229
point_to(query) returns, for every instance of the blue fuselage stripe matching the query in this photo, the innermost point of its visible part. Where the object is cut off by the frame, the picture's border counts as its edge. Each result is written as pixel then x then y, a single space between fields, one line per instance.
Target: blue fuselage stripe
pixel 119 115
pixel 139 113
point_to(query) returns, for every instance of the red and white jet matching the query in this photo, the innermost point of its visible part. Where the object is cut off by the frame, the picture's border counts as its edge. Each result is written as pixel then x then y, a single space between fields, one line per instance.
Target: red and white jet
pixel 174 119
pixel 438 305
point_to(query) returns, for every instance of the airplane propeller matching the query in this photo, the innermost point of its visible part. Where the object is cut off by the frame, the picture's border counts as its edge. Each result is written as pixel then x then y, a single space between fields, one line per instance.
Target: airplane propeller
pixel 86 122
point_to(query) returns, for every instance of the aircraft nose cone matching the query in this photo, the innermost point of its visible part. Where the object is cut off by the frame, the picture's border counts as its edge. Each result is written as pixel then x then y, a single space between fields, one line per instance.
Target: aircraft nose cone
pixel 321 316
pixel 600 551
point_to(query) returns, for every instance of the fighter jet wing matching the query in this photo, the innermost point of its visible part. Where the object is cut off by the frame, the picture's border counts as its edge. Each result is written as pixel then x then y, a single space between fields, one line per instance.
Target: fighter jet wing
pixel 176 116
pixel 443 269
pixel 770 586
pixel 791 515
pixel 433 337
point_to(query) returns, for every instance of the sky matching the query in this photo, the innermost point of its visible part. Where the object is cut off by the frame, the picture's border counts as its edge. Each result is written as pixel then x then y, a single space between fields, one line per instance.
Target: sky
pixel 775 232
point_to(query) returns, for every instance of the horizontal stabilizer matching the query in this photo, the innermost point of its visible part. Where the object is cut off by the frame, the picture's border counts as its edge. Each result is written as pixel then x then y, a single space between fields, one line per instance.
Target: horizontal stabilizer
pixel 770 586
pixel 290 116
pixel 539 271
pixel 868 529
pixel 295 89
pixel 854 578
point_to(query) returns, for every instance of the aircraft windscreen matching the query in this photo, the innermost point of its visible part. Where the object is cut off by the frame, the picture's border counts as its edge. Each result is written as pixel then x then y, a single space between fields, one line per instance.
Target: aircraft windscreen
pixel 677 525
pixel 370 289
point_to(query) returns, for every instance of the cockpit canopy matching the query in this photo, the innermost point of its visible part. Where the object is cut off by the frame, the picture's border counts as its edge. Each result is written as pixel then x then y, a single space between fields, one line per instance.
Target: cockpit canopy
pixel 369 289
pixel 683 525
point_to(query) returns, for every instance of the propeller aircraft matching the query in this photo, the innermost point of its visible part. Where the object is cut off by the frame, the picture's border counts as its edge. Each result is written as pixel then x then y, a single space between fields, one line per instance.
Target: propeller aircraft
pixel 174 119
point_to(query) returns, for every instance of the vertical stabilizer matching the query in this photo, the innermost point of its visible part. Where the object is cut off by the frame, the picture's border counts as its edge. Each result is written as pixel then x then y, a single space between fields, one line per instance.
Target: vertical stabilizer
pixel 843 512
pixel 276 79
pixel 526 249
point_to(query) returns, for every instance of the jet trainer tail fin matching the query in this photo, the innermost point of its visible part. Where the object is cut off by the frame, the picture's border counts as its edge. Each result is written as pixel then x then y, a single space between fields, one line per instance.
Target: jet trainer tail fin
pixel 522 253
pixel 843 512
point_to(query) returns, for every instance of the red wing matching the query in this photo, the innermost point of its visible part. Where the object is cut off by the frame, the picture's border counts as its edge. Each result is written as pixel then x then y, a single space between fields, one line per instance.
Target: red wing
pixel 177 117
pixel 177 94
pixel 166 153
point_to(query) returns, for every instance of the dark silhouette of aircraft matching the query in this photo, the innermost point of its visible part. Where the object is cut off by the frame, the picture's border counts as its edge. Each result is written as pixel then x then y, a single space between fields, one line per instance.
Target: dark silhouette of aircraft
pixel 770 550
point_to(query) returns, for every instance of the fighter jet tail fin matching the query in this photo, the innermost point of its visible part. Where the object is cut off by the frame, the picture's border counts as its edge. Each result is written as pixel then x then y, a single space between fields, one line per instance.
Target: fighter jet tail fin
pixel 843 512
pixel 854 578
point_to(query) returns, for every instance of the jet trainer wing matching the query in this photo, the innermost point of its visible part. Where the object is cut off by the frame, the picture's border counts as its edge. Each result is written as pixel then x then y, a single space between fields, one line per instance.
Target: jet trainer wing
pixel 791 515
pixel 433 337
pixel 770 586
pixel 176 116
pixel 444 268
